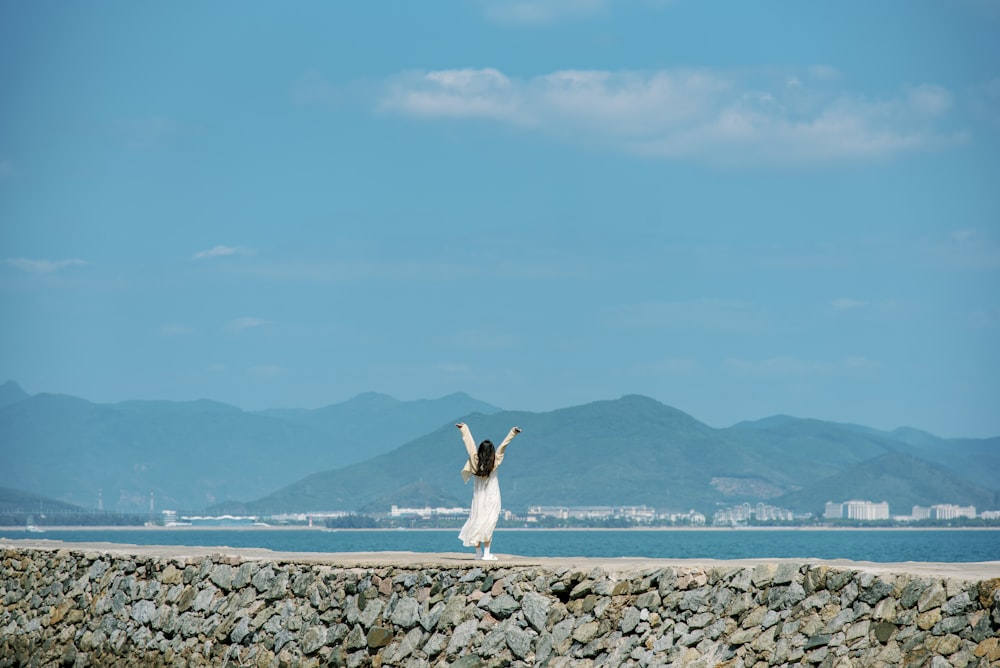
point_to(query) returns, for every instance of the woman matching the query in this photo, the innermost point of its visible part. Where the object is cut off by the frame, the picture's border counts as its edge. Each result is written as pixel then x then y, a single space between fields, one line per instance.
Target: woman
pixel 482 464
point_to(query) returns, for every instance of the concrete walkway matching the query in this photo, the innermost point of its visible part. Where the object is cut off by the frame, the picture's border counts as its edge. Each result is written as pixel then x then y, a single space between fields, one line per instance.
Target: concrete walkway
pixel 984 570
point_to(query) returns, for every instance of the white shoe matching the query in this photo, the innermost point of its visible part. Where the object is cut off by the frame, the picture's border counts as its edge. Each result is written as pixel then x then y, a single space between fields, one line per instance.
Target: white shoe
pixel 489 557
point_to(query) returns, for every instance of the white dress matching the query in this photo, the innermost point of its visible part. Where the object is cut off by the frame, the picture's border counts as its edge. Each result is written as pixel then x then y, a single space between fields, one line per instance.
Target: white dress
pixel 484 513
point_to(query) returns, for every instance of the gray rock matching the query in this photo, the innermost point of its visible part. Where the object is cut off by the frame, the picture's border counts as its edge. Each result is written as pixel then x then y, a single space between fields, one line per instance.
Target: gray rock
pixel 503 606
pixel 586 632
pixel 932 597
pixel 519 641
pixel 700 620
pixel 408 644
pixel 468 661
pixel 630 619
pixel 222 577
pixel 371 613
pixel 950 625
pixel 263 579
pixel 461 637
pixel 454 612
pixel 695 599
pixel 536 609
pixel 786 573
pixel 430 617
pixel 356 639
pixel 876 591
pixel 957 604
pixel 313 638
pixel 204 598
pixel 144 612
pixel 406 613
pixel 240 631
pixel 650 600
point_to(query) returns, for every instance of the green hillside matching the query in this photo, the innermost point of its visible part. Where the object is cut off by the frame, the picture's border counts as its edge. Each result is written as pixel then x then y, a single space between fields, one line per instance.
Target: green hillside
pixel 373 451
pixel 901 479
pixel 186 455
pixel 630 451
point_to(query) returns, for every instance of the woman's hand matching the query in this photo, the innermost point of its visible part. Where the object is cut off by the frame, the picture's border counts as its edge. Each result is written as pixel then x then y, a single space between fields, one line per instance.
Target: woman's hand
pixel 517 430
pixel 460 425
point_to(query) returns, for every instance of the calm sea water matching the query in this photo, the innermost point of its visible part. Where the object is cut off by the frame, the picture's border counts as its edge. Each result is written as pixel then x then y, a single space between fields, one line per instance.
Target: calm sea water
pixel 890 545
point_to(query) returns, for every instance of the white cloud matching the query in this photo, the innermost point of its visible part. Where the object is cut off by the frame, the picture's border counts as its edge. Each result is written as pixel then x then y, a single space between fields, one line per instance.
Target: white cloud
pixel 712 315
pixel 966 249
pixel 221 251
pixel 847 304
pixel 239 324
pixel 541 12
pixel 266 370
pixel 794 366
pixel 147 133
pixel 42 266
pixel 711 115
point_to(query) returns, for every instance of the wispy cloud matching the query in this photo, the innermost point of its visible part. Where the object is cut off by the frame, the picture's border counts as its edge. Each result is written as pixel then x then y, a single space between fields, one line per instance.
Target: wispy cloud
pixel 968 249
pixel 713 315
pixel 541 12
pixel 794 366
pixel 149 133
pixel 266 370
pixel 847 304
pixel 42 266
pixel 479 339
pixel 240 324
pixel 222 251
pixel 710 115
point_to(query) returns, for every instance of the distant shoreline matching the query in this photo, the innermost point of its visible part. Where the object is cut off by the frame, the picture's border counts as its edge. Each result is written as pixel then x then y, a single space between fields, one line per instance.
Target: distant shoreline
pixel 21 530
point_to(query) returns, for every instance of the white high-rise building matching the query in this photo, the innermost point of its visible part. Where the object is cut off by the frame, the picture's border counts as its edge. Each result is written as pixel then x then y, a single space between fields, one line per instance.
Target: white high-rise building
pixel 866 510
pixel 947 511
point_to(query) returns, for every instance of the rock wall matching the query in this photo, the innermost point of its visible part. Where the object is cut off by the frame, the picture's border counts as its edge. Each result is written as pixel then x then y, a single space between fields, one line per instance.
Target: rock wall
pixel 74 608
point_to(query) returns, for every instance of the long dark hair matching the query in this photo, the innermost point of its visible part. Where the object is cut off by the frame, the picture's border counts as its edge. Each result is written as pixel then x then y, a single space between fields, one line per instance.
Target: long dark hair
pixel 485 459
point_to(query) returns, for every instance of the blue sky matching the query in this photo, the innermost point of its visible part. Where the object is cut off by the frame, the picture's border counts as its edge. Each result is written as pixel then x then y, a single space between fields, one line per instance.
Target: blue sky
pixel 738 209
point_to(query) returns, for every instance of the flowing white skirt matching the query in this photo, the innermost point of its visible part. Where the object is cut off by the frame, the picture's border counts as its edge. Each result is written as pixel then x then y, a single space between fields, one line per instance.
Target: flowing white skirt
pixel 484 513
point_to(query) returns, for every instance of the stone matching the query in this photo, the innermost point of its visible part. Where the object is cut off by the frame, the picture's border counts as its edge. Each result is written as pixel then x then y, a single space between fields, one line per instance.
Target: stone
pixel 536 609
pixel 503 606
pixel 927 620
pixel 144 612
pixel 356 638
pixel 468 661
pixel 406 613
pixel 876 590
pixel 313 638
pixel 462 636
pixel 932 597
pixel 649 600
pixel 379 636
pixel 786 573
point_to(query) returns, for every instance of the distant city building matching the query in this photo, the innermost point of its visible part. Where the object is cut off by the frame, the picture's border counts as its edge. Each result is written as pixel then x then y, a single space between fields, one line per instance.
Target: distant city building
pixel 856 510
pixel 990 515
pixel 947 511
pixel 833 511
pixel 866 510
pixel 428 513
pixel 741 514
pixel 640 514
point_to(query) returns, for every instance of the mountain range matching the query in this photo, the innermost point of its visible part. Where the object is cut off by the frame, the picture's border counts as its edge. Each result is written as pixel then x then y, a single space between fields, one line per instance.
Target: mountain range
pixel 373 451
